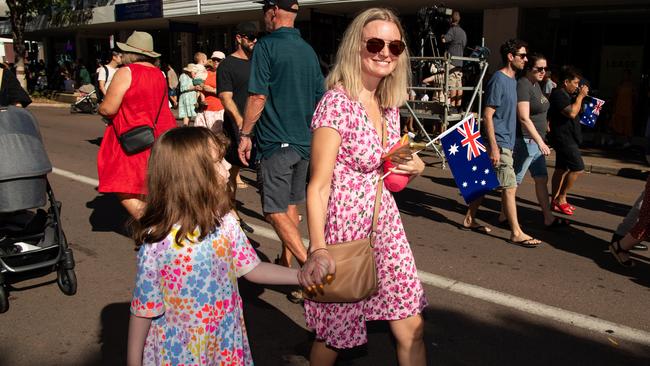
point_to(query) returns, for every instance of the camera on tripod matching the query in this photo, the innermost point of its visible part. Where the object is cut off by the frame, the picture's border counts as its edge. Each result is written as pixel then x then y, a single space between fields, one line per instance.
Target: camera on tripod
pixel 434 19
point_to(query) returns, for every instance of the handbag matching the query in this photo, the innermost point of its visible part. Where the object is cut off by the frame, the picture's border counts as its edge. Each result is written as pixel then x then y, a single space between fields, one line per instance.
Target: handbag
pixel 356 274
pixel 139 138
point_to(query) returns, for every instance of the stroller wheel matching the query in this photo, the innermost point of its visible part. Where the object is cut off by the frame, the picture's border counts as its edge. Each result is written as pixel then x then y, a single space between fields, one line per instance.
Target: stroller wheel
pixel 73 109
pixel 4 300
pixel 67 281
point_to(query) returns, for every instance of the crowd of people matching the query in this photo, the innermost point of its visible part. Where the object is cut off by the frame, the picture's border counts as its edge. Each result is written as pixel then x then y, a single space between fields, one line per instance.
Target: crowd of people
pixel 268 104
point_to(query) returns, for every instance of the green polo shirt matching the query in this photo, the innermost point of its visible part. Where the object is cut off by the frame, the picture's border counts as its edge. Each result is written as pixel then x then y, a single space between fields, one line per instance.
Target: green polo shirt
pixel 285 69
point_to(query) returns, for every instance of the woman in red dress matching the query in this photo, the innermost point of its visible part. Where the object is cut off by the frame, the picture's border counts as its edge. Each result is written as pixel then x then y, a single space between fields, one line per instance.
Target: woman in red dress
pixel 137 96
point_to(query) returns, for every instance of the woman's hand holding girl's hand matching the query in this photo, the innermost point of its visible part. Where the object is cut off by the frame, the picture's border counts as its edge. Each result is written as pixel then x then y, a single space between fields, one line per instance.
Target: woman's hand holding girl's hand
pixel 319 264
pixel 411 165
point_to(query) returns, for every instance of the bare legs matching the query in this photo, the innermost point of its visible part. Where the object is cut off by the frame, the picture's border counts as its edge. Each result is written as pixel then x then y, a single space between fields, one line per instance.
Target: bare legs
pixel 508 212
pixel 133 203
pixel 408 333
pixel 542 198
pixel 561 183
pixel 286 226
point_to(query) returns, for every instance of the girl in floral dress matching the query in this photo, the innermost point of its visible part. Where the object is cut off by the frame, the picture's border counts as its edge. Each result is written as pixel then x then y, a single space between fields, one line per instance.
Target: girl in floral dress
pixel 186 308
pixel 366 87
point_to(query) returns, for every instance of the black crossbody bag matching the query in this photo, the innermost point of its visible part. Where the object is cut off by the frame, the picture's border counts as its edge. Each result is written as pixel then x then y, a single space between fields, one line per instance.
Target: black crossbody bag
pixel 139 138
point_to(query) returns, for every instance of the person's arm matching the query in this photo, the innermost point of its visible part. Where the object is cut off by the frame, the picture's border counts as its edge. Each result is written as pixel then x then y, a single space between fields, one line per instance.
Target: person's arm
pixel 138 329
pixel 254 107
pixel 231 108
pixel 488 122
pixel 572 110
pixel 272 274
pixel 113 99
pixel 523 112
pixel 101 86
pixel 325 146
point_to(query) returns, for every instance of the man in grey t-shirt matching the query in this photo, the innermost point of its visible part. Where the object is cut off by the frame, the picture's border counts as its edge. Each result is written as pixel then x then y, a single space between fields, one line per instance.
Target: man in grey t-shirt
pixel 456 41
pixel 500 125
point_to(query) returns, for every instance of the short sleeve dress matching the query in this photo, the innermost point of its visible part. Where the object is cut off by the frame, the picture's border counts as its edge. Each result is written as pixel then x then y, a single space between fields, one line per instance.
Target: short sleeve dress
pixel 117 171
pixel 349 217
pixel 192 295
pixel 187 99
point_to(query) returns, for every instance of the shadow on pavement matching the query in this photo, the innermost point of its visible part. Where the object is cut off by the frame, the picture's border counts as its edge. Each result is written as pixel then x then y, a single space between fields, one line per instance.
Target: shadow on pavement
pixel 108 215
pixel 598 205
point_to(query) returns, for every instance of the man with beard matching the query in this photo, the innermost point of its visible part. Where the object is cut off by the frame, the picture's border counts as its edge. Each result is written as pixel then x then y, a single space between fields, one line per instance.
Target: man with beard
pixel 233 74
pixel 500 131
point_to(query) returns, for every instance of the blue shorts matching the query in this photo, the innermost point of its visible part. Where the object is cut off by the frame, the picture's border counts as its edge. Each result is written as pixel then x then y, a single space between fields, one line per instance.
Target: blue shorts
pixel 528 157
pixel 284 179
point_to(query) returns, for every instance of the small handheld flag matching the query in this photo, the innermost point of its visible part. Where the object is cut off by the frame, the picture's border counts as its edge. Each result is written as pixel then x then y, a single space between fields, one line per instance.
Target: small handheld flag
pixel 591 111
pixel 468 159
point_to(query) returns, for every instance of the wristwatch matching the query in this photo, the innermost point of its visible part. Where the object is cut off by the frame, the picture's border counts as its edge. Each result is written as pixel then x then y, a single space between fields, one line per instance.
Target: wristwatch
pixel 242 134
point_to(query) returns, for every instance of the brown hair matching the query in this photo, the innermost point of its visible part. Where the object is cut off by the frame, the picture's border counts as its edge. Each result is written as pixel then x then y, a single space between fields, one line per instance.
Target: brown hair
pixel 131 57
pixel 183 185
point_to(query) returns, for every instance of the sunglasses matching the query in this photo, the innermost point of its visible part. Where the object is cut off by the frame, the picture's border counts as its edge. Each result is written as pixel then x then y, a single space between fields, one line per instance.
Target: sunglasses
pixel 376 45
pixel 216 59
pixel 250 37
pixel 521 55
pixel 541 69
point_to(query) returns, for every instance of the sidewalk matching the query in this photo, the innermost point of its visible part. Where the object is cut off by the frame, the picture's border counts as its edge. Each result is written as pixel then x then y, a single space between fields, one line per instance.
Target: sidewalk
pixel 626 162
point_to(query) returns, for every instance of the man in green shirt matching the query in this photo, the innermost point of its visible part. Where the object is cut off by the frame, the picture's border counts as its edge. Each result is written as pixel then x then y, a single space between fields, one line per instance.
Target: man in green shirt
pixel 284 87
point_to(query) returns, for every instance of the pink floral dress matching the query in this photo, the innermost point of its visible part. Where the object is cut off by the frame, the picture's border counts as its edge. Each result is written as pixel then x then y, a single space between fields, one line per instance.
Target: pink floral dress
pixel 349 217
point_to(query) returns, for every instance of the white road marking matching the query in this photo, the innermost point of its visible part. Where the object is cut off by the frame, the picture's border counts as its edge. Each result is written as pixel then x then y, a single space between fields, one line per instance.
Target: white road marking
pixel 604 327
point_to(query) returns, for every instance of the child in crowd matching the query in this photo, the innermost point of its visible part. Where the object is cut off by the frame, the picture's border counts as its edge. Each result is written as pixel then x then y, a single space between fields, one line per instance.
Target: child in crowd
pixel 200 60
pixel 186 307
pixel 187 98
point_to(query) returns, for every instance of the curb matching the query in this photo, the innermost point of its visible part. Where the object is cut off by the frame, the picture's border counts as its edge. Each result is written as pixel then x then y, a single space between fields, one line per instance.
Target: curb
pixel 53 105
pixel 627 172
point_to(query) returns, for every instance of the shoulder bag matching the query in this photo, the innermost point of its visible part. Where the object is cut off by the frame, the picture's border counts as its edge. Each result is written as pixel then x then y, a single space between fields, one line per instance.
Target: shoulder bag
pixel 139 138
pixel 356 273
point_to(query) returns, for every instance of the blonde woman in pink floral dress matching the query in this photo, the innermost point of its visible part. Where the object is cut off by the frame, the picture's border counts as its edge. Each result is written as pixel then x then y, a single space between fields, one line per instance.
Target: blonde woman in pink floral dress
pixel 366 87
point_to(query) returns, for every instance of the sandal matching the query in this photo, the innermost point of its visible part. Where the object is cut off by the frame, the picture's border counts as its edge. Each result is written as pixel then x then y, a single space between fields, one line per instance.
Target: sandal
pixel 558 222
pixel 526 243
pixel 616 250
pixel 562 208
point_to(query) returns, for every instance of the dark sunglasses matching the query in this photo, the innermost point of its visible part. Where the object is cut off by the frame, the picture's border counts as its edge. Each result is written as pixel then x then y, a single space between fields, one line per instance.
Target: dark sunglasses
pixel 521 55
pixel 250 37
pixel 376 45
pixel 216 59
pixel 541 69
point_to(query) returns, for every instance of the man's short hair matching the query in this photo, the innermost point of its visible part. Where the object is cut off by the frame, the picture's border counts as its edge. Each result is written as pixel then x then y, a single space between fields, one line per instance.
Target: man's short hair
pixel 455 17
pixel 511 46
pixel 568 72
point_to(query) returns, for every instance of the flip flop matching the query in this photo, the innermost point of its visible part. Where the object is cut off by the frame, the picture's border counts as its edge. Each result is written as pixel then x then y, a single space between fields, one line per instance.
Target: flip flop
pixel 481 229
pixel 558 222
pixel 562 208
pixel 526 243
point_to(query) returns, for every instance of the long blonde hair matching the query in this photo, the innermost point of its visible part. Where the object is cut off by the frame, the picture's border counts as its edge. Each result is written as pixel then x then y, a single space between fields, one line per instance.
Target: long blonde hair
pixel 392 89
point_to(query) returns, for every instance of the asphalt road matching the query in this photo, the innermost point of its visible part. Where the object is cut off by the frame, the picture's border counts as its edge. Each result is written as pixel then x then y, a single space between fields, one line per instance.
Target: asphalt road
pixel 490 303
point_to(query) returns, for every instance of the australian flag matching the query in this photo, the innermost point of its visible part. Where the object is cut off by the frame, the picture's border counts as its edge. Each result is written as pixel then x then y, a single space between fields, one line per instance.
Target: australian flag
pixel 468 159
pixel 591 111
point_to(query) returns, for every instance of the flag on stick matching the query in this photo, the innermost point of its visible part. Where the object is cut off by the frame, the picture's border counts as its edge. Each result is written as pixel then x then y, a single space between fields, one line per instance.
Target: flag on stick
pixel 591 111
pixel 468 159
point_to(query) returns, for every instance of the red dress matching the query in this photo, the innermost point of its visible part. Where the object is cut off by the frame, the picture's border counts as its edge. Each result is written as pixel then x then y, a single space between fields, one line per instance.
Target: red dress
pixel 117 171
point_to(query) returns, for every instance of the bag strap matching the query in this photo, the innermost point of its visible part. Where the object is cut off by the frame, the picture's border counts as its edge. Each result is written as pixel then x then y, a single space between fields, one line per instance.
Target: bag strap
pixel 154 122
pixel 380 185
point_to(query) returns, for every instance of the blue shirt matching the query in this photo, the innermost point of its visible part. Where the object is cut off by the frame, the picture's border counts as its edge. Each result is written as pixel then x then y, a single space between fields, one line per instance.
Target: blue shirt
pixel 285 69
pixel 502 95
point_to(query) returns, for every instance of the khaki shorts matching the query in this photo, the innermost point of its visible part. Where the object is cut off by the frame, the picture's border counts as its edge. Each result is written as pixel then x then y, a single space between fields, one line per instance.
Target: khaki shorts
pixel 456 79
pixel 505 170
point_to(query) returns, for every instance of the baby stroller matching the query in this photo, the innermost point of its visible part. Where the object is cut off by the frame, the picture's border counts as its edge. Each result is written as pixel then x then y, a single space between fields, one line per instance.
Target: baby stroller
pixel 86 103
pixel 32 242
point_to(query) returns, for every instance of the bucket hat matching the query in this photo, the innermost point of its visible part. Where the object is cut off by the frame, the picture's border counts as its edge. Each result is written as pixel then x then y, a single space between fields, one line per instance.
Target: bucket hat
pixel 190 68
pixel 139 42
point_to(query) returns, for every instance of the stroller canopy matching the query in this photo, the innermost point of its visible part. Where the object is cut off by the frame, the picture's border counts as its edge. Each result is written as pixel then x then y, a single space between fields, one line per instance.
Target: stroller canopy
pixel 23 163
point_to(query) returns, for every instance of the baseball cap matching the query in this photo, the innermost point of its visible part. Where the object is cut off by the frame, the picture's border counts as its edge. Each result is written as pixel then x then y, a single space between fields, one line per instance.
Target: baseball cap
pixel 286 5
pixel 218 54
pixel 246 28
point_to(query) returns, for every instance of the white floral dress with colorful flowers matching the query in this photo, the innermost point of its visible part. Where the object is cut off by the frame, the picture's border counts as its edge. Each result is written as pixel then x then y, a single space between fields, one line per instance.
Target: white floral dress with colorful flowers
pixel 349 217
pixel 191 293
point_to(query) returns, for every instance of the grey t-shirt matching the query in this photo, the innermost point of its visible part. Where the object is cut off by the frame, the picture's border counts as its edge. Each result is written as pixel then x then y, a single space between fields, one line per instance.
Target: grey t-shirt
pixel 457 40
pixel 502 96
pixel 532 93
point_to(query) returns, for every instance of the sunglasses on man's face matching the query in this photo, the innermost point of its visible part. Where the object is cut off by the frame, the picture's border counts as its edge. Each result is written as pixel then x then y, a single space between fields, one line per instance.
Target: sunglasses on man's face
pixel 250 37
pixel 216 59
pixel 376 45
pixel 540 69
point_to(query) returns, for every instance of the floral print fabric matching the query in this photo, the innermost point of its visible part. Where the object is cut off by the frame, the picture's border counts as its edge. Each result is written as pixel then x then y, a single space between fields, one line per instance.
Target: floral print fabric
pixel 349 217
pixel 192 295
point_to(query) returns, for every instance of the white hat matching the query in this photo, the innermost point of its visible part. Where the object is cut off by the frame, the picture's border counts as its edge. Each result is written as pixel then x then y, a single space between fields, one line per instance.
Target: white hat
pixel 190 68
pixel 139 42
pixel 218 54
